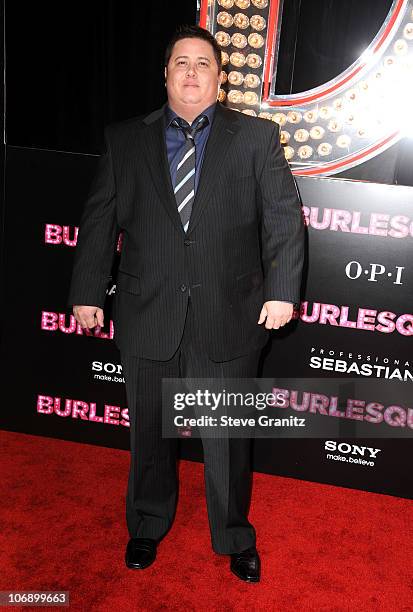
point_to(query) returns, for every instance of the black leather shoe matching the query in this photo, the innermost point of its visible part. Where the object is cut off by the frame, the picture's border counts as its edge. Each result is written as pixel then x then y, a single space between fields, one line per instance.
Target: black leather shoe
pixel 140 553
pixel 246 565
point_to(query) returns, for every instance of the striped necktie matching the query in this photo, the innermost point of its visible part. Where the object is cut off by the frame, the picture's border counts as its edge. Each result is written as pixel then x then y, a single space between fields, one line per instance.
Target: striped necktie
pixel 184 189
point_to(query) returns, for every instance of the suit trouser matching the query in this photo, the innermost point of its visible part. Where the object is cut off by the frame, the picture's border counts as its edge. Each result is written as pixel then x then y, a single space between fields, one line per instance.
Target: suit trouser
pixel 153 481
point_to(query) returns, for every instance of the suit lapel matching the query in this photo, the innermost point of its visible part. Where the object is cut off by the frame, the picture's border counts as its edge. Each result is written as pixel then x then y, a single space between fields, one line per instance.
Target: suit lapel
pixel 224 127
pixel 157 159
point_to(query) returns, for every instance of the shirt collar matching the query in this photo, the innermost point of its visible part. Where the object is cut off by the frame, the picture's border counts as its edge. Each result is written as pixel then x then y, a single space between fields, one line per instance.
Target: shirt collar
pixel 170 114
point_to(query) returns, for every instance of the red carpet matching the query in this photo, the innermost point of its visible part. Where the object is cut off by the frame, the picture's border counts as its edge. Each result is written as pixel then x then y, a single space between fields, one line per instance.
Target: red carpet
pixel 323 548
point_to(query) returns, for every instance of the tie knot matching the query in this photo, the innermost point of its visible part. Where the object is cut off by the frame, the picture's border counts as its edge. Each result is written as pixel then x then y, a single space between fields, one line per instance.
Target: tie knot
pixel 189 130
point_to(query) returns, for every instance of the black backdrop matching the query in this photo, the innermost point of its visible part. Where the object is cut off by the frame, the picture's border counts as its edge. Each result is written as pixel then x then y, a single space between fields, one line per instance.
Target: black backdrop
pixel 51 373
pixel 74 66
pixel 71 68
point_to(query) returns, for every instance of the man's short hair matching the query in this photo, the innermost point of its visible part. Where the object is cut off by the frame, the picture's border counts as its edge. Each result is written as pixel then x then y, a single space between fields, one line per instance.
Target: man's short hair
pixel 193 31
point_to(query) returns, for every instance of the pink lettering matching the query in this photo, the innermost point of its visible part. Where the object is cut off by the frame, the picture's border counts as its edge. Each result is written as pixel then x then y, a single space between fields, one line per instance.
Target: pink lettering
pixel 62 324
pixel 344 322
pixel 304 404
pixel 374 412
pixel 66 236
pixel 329 314
pixel 378 224
pixel 49 321
pixel 395 416
pixel 340 219
pixel 320 225
pixel 386 324
pixel 53 234
pixel 366 319
pixel 319 403
pixel 68 407
pixel 356 228
pixel 112 415
pixel 404 325
pixel 399 227
pixel 44 404
pixel 354 409
pixel 304 312
pixel 92 414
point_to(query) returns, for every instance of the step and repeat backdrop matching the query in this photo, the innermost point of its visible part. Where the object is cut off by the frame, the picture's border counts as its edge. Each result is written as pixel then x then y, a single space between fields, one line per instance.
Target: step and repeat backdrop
pixel 355 322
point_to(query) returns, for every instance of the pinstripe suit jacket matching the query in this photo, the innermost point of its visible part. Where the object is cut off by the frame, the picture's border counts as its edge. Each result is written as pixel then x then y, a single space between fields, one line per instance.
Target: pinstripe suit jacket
pixel 244 244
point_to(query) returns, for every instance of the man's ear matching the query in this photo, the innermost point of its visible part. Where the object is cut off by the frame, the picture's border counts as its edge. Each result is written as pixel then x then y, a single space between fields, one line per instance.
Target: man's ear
pixel 219 83
pixel 166 73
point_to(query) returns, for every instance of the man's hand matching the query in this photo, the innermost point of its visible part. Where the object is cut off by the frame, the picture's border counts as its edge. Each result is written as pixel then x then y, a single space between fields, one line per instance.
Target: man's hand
pixel 276 313
pixel 88 316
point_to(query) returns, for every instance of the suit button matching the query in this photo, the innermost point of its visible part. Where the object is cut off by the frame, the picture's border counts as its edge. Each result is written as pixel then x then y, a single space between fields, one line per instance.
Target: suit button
pixel 183 288
pixel 187 242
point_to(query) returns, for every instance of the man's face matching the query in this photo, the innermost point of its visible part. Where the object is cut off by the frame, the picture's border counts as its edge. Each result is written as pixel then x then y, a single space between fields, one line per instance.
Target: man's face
pixel 192 77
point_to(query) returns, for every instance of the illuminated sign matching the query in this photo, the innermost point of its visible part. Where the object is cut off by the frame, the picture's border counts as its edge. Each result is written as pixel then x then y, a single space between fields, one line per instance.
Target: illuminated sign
pixel 334 126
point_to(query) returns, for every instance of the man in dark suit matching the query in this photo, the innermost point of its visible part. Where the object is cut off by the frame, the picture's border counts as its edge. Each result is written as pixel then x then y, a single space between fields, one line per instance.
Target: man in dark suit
pixel 211 260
